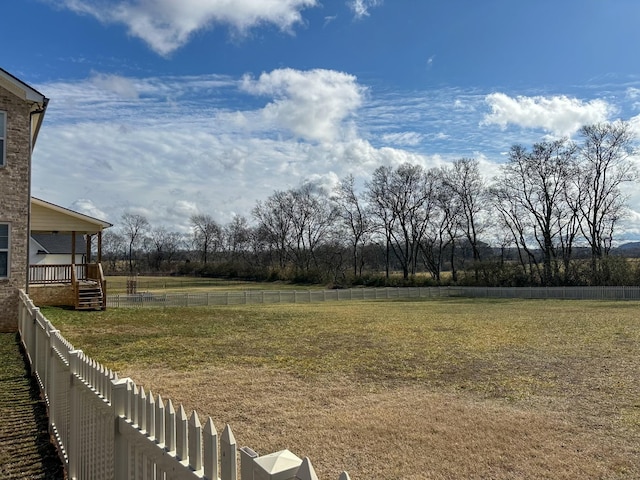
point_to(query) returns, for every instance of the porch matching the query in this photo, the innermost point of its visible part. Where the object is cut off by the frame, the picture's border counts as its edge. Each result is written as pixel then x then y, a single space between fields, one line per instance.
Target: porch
pixel 65 258
pixel 82 286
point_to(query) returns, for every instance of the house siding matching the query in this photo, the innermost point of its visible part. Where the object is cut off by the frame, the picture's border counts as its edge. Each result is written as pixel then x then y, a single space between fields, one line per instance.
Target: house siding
pixel 14 203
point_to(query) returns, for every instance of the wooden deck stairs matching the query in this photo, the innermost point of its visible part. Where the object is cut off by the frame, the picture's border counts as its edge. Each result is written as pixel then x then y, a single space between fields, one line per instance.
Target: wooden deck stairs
pixel 89 295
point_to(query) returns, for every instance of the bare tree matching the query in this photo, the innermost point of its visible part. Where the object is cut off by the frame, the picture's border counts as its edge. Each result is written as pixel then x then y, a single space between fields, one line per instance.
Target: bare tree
pixel 113 248
pixel 207 234
pixel 313 218
pixel 354 220
pixel 399 198
pixel 237 235
pixel 275 224
pixel 295 223
pixel 441 214
pixel 531 197
pixel 470 197
pixel 382 208
pixel 134 227
pixel 605 165
pixel 164 246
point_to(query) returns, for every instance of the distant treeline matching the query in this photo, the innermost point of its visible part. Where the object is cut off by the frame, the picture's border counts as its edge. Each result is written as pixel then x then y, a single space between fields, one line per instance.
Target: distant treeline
pixel 549 218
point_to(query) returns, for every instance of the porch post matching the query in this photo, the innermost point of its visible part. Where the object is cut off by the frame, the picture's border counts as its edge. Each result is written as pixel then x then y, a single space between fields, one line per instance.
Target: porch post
pixel 88 249
pixel 73 248
pixel 100 246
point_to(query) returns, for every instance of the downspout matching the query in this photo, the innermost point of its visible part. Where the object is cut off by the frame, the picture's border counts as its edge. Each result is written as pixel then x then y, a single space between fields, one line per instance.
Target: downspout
pixel 32 140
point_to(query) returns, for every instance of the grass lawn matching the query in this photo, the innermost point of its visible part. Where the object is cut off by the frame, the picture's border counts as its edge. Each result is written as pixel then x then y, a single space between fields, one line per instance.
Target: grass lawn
pixel 431 389
pixel 117 284
pixel 26 452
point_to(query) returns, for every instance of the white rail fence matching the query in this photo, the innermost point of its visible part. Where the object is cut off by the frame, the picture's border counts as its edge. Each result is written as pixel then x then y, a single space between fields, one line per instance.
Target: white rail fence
pixel 148 299
pixel 108 428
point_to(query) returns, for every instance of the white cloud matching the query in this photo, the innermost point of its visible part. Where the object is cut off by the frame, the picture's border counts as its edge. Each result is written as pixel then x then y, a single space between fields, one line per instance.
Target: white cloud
pixel 324 182
pixel 168 159
pixel 361 8
pixel 634 94
pixel 634 123
pixel 403 138
pixel 328 19
pixel 559 115
pixel 86 206
pixel 121 86
pixel 166 25
pixel 201 144
pixel 312 104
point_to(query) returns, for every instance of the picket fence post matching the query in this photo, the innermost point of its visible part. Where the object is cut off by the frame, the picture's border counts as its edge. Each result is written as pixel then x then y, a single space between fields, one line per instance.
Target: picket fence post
pixel 121 393
pixel 306 471
pixel 247 456
pixel 73 447
pixel 228 453
pixel 210 451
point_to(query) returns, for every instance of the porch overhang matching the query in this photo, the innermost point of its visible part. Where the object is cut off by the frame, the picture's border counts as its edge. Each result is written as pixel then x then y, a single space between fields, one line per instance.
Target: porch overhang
pixel 50 218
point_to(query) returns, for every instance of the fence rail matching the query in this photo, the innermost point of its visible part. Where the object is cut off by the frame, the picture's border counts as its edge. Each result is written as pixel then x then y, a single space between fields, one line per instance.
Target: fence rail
pixel 148 299
pixel 108 428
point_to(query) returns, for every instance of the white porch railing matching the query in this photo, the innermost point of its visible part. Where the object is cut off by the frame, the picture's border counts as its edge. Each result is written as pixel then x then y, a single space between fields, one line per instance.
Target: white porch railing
pixel 108 428
pixel 45 274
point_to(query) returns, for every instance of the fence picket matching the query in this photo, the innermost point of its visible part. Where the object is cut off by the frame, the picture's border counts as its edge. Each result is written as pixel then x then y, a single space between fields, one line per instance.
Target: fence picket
pixel 170 427
pixel 195 442
pixel 150 422
pixel 228 454
pixel 160 421
pixel 120 444
pixel 132 414
pixel 306 471
pixel 142 410
pixel 182 428
pixel 210 443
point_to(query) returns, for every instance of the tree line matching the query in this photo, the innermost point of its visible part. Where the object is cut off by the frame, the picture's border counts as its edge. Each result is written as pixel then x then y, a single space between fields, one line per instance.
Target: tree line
pixel 549 217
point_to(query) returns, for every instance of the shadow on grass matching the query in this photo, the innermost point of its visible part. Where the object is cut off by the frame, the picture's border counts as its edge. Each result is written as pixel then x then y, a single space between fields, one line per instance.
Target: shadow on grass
pixel 27 451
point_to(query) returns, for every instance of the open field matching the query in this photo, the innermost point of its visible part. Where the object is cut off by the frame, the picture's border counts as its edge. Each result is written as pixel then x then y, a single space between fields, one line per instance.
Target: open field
pixel 118 284
pixel 433 389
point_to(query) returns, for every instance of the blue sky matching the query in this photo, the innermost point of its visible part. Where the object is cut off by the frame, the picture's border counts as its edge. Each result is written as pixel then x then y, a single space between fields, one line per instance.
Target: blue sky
pixel 169 108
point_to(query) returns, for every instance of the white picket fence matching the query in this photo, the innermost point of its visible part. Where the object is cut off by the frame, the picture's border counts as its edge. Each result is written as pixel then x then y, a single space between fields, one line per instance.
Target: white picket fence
pixel 108 428
pixel 147 299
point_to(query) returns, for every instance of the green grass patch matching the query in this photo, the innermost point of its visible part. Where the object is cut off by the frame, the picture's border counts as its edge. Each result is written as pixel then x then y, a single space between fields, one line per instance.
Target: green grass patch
pixel 506 348
pixel 456 388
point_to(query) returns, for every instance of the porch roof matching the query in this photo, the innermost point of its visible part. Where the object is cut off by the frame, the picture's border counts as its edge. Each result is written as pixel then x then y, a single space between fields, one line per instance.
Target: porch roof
pixel 49 218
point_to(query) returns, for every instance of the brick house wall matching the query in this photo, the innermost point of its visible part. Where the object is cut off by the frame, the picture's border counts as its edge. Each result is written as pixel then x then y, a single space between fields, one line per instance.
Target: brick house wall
pixel 15 197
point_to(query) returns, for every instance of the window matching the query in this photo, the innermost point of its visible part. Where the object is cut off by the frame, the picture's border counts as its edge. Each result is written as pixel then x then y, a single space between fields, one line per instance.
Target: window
pixel 4 250
pixel 3 124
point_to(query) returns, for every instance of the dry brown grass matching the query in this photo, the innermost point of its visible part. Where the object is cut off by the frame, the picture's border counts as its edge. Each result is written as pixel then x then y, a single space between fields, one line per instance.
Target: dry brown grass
pixel 408 432
pixel 464 389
